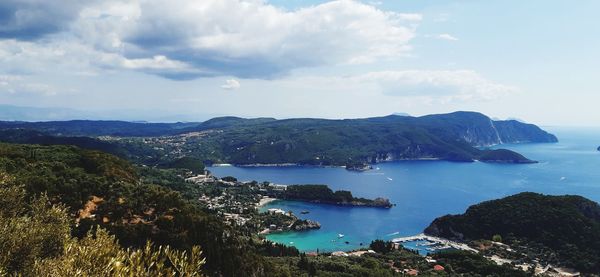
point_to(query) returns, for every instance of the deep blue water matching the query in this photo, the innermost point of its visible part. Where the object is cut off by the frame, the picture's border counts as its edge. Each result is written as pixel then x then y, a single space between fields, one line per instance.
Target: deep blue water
pixel 424 190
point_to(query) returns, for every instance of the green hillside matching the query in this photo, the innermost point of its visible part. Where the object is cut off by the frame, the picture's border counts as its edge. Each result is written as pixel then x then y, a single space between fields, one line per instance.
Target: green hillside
pixel 132 210
pixel 563 230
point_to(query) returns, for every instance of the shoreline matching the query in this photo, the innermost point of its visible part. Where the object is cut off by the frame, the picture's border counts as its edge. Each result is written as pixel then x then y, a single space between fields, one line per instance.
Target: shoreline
pixel 264 201
pixel 439 240
pixel 316 165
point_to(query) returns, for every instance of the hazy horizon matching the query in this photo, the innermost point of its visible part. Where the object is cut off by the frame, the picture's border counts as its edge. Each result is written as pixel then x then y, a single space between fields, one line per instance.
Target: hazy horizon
pixel 181 60
pixel 73 114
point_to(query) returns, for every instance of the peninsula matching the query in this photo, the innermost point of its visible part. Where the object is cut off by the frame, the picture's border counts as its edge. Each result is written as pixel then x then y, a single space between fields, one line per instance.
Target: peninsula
pixel 324 195
pixel 534 225
pixel 301 141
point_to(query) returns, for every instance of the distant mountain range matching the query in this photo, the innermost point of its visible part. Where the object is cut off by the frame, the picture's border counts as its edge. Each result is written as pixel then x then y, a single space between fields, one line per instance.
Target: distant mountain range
pixel 455 136
pixel 22 113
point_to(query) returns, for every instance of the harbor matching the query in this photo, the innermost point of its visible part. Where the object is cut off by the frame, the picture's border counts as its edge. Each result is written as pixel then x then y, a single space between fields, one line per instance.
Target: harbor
pixel 428 244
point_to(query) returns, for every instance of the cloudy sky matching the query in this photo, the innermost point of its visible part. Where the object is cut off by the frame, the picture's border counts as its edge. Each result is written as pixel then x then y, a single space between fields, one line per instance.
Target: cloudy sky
pixel 193 59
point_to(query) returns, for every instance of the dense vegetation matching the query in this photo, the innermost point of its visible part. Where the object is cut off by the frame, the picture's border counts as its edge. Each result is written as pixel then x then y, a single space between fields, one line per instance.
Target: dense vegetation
pixel 29 136
pixel 339 142
pixel 35 241
pixel 562 230
pixel 194 165
pixel 323 194
pixel 93 128
pixel 503 156
pixel 64 210
pixel 304 141
pixel 393 262
pixel 102 190
pixel 461 263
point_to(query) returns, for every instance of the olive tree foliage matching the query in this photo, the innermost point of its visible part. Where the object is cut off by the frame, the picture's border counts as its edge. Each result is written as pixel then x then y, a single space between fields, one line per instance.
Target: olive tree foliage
pixel 98 254
pixel 35 240
pixel 29 230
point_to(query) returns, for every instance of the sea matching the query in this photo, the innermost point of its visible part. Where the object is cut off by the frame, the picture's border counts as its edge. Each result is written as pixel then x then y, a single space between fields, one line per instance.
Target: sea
pixel 425 190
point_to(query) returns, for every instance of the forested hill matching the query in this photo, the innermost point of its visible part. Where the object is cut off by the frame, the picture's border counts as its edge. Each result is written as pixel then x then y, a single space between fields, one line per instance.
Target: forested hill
pixel 99 189
pixel 338 142
pixel 474 128
pixel 242 141
pixel 94 128
pixel 562 230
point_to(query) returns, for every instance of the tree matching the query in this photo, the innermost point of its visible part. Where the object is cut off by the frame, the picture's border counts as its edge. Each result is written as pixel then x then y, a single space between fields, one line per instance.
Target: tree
pixel 303 262
pixel 98 254
pixel 229 179
pixel 35 239
pixel 312 269
pixel 381 246
pixel 497 238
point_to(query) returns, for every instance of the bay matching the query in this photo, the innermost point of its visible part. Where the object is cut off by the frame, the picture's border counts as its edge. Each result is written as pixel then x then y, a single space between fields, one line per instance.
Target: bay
pixel 424 190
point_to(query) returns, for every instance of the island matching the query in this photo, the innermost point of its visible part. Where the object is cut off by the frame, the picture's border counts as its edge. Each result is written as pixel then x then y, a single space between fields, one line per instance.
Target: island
pixel 561 231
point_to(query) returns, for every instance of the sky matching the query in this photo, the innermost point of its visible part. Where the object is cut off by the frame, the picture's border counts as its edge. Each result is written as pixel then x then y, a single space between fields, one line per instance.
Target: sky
pixel 190 60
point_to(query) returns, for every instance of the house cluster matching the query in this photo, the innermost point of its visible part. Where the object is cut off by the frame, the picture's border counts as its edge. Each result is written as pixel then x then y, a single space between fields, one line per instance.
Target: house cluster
pixel 276 211
pixel 237 219
pixel 273 187
pixel 201 178
pixel 214 203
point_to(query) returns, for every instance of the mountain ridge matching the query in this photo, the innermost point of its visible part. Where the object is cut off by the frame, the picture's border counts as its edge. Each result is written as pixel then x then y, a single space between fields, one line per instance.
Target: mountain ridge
pixel 309 141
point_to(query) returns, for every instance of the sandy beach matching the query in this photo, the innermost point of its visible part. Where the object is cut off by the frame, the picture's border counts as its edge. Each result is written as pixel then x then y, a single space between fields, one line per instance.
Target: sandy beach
pixel 264 201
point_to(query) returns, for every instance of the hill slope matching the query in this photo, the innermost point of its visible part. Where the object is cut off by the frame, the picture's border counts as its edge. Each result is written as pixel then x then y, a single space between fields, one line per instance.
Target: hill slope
pixel 568 227
pixel 337 142
pixel 242 141
pixel 101 189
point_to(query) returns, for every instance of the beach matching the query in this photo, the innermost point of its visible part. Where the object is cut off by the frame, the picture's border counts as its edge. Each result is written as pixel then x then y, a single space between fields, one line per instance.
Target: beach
pixel 264 201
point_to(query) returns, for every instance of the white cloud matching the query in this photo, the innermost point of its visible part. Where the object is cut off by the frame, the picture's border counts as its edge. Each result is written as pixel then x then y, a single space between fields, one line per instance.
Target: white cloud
pixel 411 16
pixel 16 84
pixel 430 85
pixel 243 38
pixel 447 37
pixel 443 84
pixel 231 84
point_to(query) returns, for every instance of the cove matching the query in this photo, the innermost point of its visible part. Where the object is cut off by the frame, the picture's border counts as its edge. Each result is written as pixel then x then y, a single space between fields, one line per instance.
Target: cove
pixel 424 190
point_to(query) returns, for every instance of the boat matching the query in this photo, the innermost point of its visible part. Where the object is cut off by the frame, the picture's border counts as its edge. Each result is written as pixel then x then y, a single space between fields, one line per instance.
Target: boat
pixel 304 212
pixel 340 236
pixel 390 179
pixel 438 248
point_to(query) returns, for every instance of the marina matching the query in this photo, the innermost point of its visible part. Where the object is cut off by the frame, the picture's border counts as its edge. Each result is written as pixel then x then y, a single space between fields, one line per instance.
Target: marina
pixel 422 242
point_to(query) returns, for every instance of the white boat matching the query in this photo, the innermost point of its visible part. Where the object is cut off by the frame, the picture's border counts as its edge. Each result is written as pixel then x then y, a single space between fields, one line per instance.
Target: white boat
pixel 390 179
pixel 340 236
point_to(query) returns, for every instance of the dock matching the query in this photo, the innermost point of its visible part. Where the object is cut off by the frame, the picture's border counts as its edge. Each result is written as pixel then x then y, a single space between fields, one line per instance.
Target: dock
pixel 444 243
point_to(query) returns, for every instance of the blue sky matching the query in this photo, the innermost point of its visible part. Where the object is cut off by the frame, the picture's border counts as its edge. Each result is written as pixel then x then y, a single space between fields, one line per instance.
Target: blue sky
pixel 191 60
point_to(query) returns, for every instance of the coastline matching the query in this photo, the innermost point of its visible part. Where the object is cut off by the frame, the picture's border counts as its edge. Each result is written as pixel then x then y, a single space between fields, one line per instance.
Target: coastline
pixel 425 159
pixel 442 241
pixel 264 201
pixel 317 165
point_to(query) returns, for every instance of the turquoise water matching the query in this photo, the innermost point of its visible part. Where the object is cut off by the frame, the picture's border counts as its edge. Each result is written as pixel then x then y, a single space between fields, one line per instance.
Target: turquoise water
pixel 424 190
